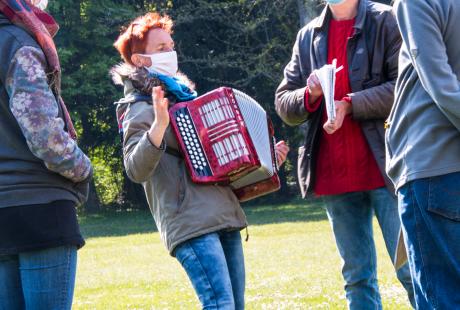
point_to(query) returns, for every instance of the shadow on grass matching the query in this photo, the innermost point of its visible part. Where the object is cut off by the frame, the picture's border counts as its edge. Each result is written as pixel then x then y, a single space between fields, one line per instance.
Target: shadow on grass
pixel 108 224
pixel 296 211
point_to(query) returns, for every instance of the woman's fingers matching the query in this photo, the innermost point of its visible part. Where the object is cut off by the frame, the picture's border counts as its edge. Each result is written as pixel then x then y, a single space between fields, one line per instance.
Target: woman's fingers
pixel 157 94
pixel 160 106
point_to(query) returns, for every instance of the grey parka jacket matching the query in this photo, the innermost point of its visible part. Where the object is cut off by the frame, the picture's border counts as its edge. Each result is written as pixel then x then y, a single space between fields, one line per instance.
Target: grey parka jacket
pixel 182 210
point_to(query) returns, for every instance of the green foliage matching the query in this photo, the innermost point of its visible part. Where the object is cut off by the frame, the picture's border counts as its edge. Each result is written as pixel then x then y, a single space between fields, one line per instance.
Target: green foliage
pixel 108 182
pixel 243 44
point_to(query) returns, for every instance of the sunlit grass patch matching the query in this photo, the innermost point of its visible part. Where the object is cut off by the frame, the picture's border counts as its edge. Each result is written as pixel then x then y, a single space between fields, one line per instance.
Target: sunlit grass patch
pixel 291 263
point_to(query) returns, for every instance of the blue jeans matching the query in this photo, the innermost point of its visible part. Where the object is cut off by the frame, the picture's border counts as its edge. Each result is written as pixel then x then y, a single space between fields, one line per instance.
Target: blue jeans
pixel 215 265
pixel 351 216
pixel 38 280
pixel 430 214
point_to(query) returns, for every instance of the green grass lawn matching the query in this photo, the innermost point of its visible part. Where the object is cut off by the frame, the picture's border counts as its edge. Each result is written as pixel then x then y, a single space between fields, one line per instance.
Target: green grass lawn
pixel 291 263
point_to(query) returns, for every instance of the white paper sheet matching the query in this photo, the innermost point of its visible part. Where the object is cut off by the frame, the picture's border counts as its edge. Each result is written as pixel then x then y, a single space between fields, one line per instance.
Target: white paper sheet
pixel 326 76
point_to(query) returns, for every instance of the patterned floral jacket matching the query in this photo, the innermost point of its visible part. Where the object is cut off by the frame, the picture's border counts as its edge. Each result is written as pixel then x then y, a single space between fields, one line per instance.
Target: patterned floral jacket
pixel 39 161
pixel 35 108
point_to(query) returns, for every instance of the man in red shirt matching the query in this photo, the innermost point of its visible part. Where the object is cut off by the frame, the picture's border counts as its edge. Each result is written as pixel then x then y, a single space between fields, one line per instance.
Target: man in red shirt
pixel 343 161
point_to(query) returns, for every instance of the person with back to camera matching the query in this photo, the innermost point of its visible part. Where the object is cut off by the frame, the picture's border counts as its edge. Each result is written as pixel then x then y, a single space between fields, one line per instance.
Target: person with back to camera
pixel 43 173
pixel 423 147
pixel 199 224
pixel 343 160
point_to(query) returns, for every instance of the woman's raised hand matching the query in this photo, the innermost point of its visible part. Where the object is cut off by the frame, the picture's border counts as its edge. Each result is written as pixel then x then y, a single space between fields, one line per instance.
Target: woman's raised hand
pixel 160 107
pixel 161 122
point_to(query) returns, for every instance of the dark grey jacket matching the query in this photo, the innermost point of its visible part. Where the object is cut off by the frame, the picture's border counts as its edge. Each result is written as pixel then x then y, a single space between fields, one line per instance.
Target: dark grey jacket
pixel 24 178
pixel 424 135
pixel 373 64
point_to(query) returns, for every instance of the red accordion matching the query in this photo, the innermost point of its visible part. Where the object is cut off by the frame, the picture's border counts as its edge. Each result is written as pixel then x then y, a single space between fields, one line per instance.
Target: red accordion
pixel 227 138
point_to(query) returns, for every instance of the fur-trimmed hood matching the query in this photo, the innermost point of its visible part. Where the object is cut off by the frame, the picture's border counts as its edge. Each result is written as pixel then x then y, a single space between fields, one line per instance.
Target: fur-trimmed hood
pixel 137 80
pixel 138 87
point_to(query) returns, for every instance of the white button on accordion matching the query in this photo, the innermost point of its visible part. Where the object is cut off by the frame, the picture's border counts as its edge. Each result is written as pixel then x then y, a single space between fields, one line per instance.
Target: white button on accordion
pixel 227 138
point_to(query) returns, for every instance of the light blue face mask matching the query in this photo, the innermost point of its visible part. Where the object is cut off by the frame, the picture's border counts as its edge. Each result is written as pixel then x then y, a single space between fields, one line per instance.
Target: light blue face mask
pixel 333 2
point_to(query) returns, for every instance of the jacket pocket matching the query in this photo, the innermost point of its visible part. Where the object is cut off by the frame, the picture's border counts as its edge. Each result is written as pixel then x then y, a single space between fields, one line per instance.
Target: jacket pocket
pixel 181 186
pixel 170 184
pixel 444 196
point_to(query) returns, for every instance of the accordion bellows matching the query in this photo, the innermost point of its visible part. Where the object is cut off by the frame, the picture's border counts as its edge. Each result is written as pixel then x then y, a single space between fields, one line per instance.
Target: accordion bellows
pixel 227 138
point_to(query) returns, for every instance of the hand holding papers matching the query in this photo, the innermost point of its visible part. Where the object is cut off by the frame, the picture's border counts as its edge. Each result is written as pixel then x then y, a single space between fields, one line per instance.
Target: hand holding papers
pixel 326 76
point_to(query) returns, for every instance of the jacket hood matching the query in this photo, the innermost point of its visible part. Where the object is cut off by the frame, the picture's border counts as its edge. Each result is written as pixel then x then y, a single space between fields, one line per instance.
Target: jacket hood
pixel 138 85
pixel 132 77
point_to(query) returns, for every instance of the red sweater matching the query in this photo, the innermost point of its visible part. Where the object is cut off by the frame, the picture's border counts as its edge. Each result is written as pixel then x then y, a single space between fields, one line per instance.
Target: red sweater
pixel 345 162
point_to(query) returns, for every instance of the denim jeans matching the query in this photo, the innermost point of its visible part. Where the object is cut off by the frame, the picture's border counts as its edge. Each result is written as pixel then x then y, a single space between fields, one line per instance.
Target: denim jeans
pixel 430 214
pixel 351 216
pixel 38 280
pixel 215 265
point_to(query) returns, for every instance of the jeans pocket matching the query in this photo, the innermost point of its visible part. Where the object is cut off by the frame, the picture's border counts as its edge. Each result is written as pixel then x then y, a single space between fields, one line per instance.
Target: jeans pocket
pixel 444 196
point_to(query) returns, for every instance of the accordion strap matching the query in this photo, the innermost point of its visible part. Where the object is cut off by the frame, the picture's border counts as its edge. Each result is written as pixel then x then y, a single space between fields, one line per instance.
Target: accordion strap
pixel 173 152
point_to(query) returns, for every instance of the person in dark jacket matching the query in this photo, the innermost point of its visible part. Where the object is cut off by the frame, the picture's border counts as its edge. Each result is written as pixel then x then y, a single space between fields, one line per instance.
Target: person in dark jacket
pixel 43 173
pixel 423 145
pixel 344 161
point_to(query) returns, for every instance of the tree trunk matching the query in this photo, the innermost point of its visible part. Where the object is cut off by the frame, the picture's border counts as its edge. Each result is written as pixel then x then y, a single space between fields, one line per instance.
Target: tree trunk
pixel 132 195
pixel 93 204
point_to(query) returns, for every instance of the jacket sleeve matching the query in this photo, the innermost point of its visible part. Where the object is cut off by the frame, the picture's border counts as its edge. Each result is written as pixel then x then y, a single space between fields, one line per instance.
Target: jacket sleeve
pixel 141 157
pixel 36 110
pixel 376 102
pixel 422 26
pixel 290 95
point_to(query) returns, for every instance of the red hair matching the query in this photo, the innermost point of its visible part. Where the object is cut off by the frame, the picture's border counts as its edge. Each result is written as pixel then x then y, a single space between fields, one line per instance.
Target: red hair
pixel 132 38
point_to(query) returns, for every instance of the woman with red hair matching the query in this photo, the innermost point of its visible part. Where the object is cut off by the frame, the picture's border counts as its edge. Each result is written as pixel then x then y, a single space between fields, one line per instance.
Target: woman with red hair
pixel 199 224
